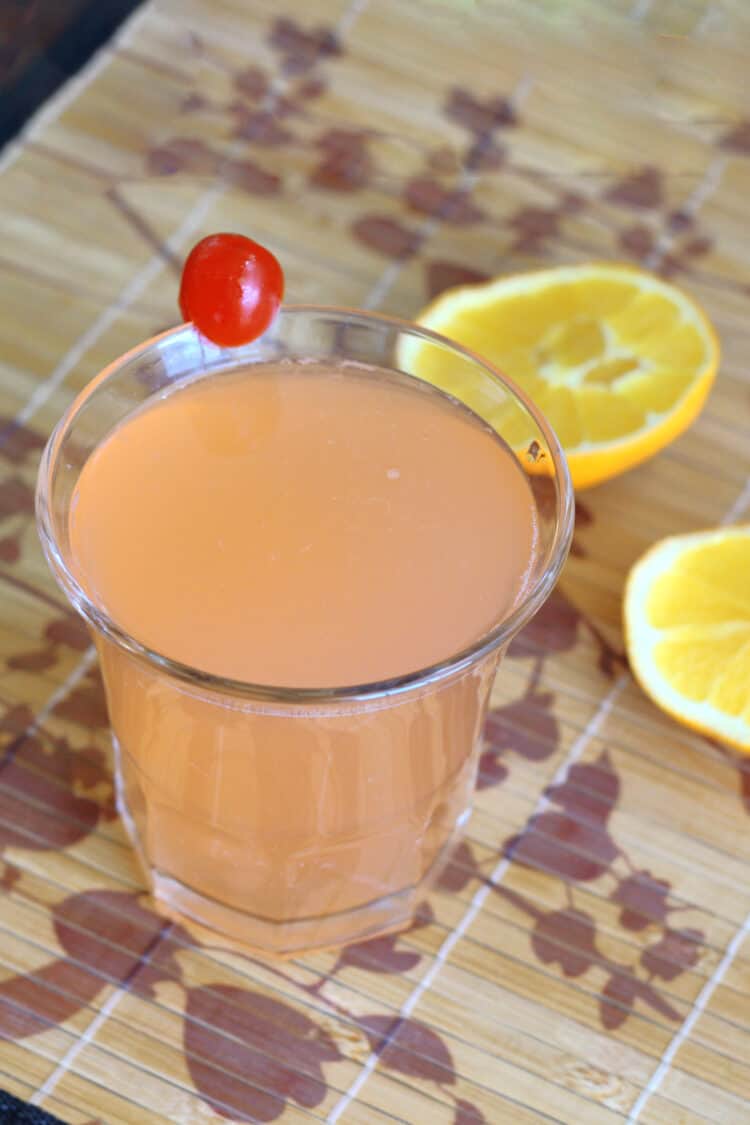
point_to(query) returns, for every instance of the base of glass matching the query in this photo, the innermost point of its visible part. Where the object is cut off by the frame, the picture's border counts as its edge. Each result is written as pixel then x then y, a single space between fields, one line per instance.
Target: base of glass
pixel 277 938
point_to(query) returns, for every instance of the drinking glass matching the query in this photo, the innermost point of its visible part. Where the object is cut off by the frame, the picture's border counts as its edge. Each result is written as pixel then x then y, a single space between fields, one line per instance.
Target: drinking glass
pixel 282 818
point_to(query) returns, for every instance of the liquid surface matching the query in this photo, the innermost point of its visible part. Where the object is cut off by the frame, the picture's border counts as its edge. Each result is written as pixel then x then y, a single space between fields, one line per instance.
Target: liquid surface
pixel 303 526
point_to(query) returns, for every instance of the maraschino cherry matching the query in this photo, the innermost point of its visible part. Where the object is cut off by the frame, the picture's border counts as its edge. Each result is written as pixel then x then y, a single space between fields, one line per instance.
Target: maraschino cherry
pixel 231 289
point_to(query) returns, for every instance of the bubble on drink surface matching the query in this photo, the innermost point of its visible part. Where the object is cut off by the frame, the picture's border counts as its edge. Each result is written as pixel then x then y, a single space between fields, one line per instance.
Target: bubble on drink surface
pixel 393 474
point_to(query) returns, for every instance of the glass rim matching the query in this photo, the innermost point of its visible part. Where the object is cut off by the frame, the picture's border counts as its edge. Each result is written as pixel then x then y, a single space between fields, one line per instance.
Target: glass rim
pixel 430 674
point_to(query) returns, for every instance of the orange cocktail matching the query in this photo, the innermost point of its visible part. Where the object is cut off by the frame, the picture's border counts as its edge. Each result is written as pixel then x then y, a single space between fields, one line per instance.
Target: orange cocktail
pixel 302 564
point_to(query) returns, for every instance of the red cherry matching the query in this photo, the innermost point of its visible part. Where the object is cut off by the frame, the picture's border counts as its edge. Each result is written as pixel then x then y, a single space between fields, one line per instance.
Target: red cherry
pixel 231 289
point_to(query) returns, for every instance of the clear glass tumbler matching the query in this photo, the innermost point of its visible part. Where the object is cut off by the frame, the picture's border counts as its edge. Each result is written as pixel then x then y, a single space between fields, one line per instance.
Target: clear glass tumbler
pixel 291 819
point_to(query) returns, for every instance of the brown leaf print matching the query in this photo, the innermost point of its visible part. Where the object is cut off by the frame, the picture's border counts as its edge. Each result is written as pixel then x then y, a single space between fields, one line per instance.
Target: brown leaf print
pixel 248 1054
pixel 679 220
pixel 293 105
pixel 310 88
pixel 252 82
pixel 182 154
pixel 478 116
pixel 428 197
pixel 492 771
pixel 670 265
pixel 36 661
pixel 250 177
pixel 738 138
pixel 89 766
pixel 17 441
pixel 575 843
pixel 10 876
pixel 589 791
pixel 618 997
pixel 380 955
pixel 553 629
pixel 16 498
pixel 743 768
pixel 559 845
pixel 301 50
pixel 675 953
pixel 33 1002
pixel 643 899
pixel 468 1114
pixel 108 931
pixel 485 156
pixel 409 1047
pixel 10 549
pixel 71 632
pixel 460 870
pixel 114 934
pixel 568 937
pixel 696 247
pixel 39 810
pixel 526 727
pixel 532 226
pixel 161 963
pixel 442 275
pixel 346 164
pixel 641 190
pixel 86 704
pixel 584 518
pixel 260 127
pixel 424 916
pixel 386 236
pixel 15 721
pixel 193 103
pixel 637 241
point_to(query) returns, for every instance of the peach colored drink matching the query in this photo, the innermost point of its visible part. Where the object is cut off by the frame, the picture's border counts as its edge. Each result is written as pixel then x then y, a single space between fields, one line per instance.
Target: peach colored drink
pixel 304 527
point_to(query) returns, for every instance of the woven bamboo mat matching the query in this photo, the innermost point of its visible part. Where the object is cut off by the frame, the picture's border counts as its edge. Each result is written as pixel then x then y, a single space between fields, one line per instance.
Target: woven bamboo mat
pixel 386 150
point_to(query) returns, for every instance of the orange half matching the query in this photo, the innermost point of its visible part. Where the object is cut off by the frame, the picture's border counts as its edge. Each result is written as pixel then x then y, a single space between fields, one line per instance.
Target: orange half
pixel 687 629
pixel 618 360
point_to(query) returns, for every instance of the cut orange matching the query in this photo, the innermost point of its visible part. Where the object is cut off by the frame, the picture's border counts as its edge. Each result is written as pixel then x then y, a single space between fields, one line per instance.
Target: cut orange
pixel 687 629
pixel 618 360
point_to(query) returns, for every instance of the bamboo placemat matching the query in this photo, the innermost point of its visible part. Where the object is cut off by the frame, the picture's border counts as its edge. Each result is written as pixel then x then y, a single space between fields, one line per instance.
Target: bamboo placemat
pixel 385 150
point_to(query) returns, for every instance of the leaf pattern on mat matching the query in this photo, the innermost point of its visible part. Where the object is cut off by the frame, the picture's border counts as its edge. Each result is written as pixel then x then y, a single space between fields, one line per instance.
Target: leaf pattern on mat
pixel 409 1047
pixel 643 899
pixel 568 937
pixel 526 727
pixel 574 843
pixel 249 1054
pixel 468 1114
pixel 105 936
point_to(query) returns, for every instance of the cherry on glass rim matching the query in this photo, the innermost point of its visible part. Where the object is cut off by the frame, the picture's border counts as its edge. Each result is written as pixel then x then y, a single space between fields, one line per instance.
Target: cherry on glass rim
pixel 231 289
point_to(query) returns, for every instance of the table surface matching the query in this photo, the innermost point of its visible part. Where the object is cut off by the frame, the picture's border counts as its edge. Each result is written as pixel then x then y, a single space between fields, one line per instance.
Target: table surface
pixel 385 151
